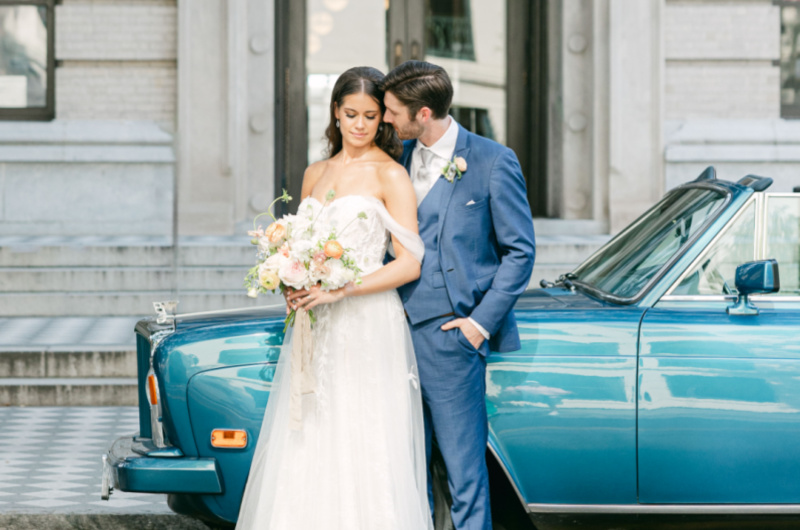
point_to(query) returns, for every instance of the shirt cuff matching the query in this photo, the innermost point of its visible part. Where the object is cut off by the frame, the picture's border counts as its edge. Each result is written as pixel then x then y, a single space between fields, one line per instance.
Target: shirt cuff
pixel 480 328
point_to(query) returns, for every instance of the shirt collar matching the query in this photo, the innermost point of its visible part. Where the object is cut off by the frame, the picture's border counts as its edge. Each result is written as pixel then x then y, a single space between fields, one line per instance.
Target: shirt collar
pixel 446 145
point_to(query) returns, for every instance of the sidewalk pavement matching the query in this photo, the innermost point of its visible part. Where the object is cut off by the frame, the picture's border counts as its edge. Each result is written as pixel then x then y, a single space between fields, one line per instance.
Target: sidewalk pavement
pixel 50 460
pixel 50 465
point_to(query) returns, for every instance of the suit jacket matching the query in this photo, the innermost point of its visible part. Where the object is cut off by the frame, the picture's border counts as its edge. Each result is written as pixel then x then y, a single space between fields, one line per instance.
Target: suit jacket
pixel 486 242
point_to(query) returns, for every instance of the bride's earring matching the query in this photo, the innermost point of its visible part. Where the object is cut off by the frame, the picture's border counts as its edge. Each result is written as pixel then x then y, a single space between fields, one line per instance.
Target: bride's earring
pixel 337 124
pixel 380 127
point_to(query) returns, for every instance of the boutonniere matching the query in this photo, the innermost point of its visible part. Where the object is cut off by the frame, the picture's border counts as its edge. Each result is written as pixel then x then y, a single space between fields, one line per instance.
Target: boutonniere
pixel 454 168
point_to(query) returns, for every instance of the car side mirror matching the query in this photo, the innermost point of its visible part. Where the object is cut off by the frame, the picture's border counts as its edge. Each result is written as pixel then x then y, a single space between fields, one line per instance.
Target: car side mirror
pixel 755 277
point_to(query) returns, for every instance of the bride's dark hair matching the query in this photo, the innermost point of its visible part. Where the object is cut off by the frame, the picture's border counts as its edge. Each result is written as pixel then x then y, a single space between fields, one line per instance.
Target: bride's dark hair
pixel 355 81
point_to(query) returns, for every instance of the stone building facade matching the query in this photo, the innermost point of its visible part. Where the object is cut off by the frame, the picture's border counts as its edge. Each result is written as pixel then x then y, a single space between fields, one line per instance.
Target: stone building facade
pixel 170 115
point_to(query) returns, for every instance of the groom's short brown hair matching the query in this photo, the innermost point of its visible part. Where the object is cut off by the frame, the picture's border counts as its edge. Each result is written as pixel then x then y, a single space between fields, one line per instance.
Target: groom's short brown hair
pixel 420 84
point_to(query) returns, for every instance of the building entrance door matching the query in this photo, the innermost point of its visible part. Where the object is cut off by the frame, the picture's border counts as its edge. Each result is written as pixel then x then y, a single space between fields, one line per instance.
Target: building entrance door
pixel 485 46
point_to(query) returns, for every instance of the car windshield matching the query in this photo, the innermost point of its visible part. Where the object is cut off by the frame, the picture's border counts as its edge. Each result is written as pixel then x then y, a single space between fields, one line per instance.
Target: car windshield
pixel 625 265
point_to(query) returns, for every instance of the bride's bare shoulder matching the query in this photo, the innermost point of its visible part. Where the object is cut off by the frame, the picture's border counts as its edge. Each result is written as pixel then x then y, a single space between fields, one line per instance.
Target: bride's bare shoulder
pixel 390 171
pixel 312 175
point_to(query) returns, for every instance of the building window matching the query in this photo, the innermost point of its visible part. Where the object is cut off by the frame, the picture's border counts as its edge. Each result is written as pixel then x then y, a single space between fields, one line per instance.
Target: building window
pixel 790 58
pixel 26 60
pixel 474 120
pixel 449 30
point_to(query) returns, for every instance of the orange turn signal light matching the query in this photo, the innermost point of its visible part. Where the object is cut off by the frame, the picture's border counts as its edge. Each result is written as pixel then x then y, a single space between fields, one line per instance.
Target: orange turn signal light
pixel 151 384
pixel 229 438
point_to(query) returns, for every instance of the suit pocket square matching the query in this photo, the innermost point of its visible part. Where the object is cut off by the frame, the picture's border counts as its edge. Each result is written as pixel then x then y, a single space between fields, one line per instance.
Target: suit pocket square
pixel 470 203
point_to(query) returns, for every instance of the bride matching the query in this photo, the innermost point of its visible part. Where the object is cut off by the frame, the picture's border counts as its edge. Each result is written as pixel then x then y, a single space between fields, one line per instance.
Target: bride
pixel 358 462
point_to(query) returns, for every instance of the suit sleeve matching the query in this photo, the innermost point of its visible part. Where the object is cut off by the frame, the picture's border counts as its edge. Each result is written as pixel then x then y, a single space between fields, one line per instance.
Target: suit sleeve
pixel 513 228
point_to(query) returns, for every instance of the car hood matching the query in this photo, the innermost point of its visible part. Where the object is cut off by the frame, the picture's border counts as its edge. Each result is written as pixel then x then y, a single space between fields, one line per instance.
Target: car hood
pixel 557 298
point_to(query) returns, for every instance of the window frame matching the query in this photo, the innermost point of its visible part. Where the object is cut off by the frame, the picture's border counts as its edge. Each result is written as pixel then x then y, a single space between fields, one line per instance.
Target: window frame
pixel 761 204
pixel 48 112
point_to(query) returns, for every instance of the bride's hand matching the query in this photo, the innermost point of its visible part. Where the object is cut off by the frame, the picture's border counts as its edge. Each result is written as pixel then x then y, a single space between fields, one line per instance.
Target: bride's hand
pixel 310 298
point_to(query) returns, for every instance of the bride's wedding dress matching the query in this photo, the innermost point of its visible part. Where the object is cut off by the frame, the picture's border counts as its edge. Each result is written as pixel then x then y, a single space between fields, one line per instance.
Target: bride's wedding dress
pixel 358 463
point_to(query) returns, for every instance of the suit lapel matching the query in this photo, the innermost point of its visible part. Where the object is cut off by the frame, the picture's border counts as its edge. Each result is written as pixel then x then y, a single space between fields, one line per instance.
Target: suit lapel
pixel 408 152
pixel 462 150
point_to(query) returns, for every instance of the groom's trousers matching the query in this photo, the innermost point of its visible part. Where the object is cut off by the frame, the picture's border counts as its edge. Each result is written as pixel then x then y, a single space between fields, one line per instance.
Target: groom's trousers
pixel 453 378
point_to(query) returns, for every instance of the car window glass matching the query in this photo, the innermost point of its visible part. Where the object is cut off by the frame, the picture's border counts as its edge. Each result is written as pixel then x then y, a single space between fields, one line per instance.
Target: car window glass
pixel 783 241
pixel 716 271
pixel 629 261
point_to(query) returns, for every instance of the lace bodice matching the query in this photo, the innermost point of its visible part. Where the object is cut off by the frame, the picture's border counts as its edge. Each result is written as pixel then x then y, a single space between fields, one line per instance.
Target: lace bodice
pixel 367 238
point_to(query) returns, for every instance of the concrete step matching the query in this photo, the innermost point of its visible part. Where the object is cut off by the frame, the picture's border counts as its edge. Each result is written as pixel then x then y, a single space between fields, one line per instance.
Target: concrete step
pixel 32 253
pixel 43 363
pixel 72 392
pixel 223 252
pixel 549 272
pixel 124 303
pixel 567 249
pixel 97 279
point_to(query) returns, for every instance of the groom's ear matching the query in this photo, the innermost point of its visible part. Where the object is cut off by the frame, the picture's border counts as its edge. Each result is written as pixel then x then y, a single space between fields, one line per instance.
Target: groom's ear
pixel 424 114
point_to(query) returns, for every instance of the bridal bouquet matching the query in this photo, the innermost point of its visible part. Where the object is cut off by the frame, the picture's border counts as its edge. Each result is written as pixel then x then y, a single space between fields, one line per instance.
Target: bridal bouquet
pixel 299 251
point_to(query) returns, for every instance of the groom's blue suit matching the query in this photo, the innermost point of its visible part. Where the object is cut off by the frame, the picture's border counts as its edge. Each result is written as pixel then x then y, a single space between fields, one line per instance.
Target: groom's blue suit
pixel 479 252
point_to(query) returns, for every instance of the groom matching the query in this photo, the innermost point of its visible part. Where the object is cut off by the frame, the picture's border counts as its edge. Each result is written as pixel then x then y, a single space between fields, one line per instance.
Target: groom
pixel 479 248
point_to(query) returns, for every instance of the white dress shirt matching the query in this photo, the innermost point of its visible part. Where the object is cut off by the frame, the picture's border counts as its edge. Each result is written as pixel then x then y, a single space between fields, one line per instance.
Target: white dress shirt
pixel 439 153
pixel 427 164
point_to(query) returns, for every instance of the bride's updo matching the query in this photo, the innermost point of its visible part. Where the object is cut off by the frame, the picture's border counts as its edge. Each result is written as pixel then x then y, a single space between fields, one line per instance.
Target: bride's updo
pixel 355 81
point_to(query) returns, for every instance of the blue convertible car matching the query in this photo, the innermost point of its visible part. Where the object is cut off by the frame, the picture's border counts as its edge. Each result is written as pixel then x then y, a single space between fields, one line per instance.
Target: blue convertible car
pixel 662 376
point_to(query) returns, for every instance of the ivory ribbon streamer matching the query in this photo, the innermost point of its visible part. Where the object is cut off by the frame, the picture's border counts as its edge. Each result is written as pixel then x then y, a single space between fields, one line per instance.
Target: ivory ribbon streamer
pixel 303 380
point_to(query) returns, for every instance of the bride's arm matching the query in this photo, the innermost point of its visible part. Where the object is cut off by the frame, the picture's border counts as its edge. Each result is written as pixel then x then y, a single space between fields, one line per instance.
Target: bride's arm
pixel 401 203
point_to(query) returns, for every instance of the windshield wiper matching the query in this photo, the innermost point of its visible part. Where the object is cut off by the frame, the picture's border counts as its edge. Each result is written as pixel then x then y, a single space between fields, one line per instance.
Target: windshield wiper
pixel 565 280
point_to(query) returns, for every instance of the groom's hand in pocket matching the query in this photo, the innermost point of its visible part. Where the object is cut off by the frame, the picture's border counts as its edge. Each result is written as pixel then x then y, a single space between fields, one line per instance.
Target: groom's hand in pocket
pixel 468 329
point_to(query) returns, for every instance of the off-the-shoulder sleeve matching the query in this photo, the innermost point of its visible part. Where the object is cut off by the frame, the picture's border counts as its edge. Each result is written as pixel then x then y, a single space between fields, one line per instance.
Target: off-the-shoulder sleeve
pixel 410 240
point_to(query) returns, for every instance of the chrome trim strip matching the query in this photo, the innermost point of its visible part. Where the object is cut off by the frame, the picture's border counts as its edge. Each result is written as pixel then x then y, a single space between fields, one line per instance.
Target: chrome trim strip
pixel 508 475
pixel 236 310
pixel 771 298
pixel 713 242
pixel 761 227
pixel 677 509
pixel 698 298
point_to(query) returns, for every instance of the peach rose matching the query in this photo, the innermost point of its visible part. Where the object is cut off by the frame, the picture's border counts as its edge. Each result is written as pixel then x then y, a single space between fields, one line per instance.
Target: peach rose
pixel 275 233
pixel 334 249
pixel 461 164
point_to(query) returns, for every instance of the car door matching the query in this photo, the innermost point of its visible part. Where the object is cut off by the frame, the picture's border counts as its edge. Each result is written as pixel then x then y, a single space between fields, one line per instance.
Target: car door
pixel 719 395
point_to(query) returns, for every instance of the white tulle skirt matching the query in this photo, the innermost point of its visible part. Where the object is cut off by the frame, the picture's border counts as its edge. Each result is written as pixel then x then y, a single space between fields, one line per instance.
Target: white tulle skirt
pixel 359 461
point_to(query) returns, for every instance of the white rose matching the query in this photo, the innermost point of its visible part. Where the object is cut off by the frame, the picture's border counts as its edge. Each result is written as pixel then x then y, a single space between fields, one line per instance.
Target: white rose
pixel 339 274
pixel 301 249
pixel 294 274
pixel 274 262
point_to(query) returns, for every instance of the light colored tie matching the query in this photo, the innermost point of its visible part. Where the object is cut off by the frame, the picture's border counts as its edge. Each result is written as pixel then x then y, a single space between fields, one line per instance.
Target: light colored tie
pixel 425 174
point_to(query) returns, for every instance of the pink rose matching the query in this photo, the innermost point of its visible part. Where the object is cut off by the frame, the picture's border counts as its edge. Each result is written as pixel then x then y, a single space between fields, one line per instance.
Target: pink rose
pixel 461 164
pixel 294 274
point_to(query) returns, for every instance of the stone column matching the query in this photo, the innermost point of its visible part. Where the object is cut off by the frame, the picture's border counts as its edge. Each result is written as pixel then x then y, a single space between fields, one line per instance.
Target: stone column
pixel 635 178
pixel 225 114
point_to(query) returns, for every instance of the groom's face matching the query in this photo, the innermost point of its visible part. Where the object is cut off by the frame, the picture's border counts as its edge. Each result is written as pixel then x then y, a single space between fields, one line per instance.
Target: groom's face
pixel 407 127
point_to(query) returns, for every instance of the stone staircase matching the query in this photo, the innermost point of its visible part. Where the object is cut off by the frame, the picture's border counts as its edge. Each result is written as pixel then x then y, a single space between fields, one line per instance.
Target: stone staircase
pixel 105 276
pixel 67 361
pixel 96 276
pixel 68 307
